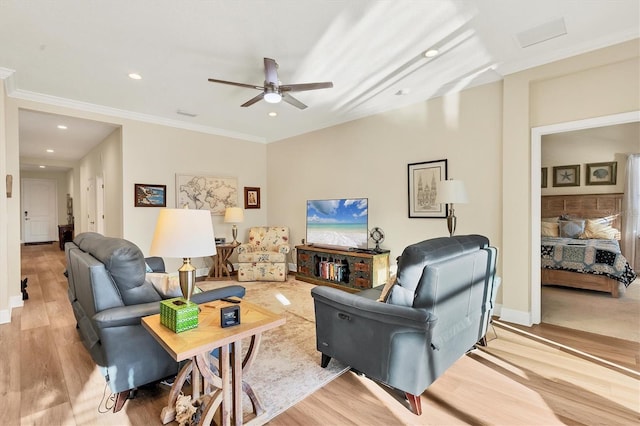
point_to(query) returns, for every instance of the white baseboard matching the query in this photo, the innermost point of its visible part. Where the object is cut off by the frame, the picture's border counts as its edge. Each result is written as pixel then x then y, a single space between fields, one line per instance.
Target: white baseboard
pixel 497 309
pixel 202 272
pixel 516 317
pixel 5 316
pixel 293 267
pixel 14 302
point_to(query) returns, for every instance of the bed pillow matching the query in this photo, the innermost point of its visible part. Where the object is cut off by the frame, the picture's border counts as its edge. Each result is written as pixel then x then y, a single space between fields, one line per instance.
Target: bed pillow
pixel 571 228
pixel 596 228
pixel 549 229
pixel 166 285
pixel 551 219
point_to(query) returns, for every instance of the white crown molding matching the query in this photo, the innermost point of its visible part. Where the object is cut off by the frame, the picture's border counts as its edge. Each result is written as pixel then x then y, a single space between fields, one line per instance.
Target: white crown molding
pixel 7 75
pixel 129 115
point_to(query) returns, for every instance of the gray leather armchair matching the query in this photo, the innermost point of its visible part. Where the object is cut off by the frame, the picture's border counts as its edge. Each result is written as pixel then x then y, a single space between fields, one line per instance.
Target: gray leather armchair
pixel 436 311
pixel 109 296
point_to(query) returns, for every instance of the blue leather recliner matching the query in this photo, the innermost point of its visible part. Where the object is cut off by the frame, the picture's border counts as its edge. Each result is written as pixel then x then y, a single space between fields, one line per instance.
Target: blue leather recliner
pixel 437 309
pixel 109 295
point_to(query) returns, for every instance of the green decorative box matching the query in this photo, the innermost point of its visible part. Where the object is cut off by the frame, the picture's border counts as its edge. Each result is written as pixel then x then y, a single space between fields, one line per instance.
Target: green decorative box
pixel 178 314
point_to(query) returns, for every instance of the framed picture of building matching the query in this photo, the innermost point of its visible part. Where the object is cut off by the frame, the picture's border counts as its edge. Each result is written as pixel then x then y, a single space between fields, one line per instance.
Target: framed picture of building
pixel 423 181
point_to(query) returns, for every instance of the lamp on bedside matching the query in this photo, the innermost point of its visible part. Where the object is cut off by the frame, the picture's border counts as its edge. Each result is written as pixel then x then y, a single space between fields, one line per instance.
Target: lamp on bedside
pixel 184 233
pixel 234 215
pixel 450 192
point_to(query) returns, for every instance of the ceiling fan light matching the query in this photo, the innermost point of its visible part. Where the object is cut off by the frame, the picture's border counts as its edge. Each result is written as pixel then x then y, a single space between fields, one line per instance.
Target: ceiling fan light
pixel 272 97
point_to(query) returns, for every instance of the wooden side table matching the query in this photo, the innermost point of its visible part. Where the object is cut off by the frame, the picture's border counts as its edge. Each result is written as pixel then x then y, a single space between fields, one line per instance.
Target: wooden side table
pixel 221 263
pixel 222 388
pixel 65 234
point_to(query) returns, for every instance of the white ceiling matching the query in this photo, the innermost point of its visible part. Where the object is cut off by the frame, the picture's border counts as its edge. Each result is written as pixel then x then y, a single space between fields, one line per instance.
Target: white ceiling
pixel 79 53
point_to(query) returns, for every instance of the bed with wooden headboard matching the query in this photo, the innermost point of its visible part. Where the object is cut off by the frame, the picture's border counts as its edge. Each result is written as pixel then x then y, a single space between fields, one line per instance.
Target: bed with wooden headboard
pixel 586 206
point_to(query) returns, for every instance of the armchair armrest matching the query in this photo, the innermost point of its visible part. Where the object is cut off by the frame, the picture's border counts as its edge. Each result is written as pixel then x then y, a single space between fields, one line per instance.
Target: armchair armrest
pixel 348 303
pixel 125 315
pixel 218 293
pixel 131 315
pixel 245 248
pixel 283 248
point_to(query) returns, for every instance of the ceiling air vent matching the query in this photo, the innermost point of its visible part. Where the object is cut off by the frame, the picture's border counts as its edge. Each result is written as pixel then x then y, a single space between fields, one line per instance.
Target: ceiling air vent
pixel 544 32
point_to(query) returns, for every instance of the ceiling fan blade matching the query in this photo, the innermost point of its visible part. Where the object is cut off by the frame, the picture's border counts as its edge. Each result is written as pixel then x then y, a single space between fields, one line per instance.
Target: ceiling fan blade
pixel 293 101
pixel 253 100
pixel 305 86
pixel 233 83
pixel 270 71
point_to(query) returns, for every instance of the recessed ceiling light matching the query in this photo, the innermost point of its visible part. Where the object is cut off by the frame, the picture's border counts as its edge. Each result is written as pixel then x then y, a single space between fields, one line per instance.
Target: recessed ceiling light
pixel 135 76
pixel 273 114
pixel 49 150
pixel 431 53
pixel 42 167
pixel 62 127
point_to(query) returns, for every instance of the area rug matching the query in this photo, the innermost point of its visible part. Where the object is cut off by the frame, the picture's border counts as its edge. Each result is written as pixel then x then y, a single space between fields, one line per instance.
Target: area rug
pixel 593 311
pixel 287 368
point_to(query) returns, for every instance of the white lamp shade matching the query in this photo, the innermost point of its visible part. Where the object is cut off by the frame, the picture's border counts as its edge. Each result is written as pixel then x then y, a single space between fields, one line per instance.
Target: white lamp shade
pixel 234 215
pixel 183 233
pixel 451 192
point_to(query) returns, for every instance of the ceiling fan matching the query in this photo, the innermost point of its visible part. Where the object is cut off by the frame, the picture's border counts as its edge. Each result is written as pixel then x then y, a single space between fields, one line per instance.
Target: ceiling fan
pixel 274 92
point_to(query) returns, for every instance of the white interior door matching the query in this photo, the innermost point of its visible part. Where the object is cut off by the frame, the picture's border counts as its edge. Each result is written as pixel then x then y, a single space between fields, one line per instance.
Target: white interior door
pixel 100 205
pixel 91 206
pixel 39 210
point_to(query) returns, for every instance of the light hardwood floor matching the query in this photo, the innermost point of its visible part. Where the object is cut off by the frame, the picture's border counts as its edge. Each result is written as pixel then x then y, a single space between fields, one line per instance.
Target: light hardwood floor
pixel 47 377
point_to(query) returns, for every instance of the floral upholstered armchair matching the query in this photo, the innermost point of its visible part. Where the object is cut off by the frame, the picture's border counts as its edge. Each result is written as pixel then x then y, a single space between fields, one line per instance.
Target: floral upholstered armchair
pixel 264 257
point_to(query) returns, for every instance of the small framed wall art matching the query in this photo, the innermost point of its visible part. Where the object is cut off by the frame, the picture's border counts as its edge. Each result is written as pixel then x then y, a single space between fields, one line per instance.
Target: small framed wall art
pixel 566 175
pixel 150 195
pixel 543 178
pixel 602 173
pixel 423 181
pixel 251 197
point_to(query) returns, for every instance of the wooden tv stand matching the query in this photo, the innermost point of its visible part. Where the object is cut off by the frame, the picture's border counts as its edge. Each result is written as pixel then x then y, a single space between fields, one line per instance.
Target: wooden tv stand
pixel 347 270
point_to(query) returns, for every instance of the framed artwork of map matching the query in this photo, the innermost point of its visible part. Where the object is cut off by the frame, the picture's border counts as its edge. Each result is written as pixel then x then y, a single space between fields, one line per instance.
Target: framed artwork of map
pixel 206 192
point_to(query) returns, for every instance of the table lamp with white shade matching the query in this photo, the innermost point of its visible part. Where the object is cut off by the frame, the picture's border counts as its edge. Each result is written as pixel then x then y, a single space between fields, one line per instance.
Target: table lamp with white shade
pixel 451 192
pixel 234 215
pixel 184 233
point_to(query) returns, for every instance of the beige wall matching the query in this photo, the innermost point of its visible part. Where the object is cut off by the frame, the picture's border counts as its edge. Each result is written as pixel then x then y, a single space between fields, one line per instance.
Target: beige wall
pixel 105 162
pixel 154 154
pixel 611 144
pixel 369 158
pixel 598 83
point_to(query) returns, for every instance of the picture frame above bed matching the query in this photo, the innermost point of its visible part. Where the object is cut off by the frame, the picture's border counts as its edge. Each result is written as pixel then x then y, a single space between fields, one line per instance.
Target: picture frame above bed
pixel 566 175
pixel 602 173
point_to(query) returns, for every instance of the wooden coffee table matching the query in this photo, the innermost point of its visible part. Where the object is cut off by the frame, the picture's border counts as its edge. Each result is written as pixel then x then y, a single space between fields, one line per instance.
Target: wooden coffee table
pixel 223 387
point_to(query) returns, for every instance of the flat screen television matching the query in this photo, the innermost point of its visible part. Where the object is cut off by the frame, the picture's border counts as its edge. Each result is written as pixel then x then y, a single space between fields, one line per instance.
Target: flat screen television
pixel 339 223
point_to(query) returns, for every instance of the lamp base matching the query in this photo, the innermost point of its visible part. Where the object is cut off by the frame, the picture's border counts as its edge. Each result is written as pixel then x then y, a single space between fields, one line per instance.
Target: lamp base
pixel 234 233
pixel 187 276
pixel 451 222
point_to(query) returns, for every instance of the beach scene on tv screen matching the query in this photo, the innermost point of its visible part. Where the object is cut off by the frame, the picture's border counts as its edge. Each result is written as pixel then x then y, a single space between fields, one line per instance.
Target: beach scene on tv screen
pixel 339 222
